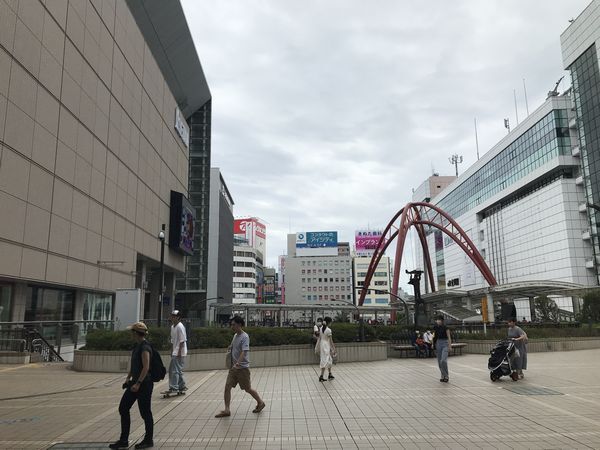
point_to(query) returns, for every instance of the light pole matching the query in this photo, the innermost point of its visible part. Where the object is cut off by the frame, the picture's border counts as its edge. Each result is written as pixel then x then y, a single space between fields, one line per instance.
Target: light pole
pixel 380 291
pixel 361 324
pixel 161 238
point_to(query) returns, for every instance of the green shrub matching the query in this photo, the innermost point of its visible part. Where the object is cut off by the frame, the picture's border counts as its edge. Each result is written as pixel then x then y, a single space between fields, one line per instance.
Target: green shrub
pixel 122 339
pixel 342 332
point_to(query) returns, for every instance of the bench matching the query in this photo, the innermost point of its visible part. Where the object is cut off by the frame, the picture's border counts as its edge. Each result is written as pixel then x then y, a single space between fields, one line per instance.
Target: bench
pixel 457 348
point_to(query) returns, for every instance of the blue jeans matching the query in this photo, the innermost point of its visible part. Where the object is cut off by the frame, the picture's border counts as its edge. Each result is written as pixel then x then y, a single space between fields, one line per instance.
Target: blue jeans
pixel 441 349
pixel 176 381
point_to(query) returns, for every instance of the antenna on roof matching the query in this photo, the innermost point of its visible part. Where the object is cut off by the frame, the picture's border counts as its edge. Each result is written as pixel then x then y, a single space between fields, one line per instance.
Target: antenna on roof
pixel 476 138
pixel 554 92
pixel 525 92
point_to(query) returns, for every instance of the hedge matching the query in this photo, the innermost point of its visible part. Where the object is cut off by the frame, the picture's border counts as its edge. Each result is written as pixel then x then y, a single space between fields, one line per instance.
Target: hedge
pixel 342 332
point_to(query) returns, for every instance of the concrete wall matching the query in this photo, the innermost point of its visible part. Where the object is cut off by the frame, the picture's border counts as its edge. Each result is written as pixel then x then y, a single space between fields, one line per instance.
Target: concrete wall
pixel 538 345
pixel 214 359
pixel 14 358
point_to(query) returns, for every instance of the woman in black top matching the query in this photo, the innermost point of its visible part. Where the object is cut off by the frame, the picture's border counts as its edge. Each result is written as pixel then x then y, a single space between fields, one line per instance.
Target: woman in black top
pixel 442 342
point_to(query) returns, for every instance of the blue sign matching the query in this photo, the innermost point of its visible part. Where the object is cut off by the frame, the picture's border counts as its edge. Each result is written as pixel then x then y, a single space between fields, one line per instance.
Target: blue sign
pixel 317 239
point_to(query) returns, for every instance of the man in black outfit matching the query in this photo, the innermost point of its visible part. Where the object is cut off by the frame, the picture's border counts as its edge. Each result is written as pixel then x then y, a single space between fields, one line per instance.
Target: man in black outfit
pixel 138 386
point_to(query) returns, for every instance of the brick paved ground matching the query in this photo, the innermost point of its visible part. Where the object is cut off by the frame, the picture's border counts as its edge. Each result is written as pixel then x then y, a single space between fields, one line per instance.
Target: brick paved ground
pixel 393 404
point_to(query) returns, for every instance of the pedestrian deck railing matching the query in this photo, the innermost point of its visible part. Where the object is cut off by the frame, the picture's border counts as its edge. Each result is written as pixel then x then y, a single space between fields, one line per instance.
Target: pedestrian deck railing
pixel 47 338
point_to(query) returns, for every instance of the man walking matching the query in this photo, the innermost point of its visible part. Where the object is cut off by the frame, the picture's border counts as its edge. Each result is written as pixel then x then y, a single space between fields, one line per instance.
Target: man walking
pixel 178 354
pixel 138 386
pixel 240 368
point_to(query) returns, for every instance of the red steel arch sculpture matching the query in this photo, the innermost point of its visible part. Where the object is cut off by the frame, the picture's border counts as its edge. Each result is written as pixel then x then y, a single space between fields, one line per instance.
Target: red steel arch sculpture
pixel 419 215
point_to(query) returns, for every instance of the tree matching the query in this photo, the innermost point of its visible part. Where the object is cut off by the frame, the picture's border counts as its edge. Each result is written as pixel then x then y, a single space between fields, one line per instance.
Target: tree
pixel 590 311
pixel 546 309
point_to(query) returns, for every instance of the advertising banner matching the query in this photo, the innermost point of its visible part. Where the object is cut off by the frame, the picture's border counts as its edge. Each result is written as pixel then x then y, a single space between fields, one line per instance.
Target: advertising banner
pixel 317 243
pixel 366 241
pixel 253 231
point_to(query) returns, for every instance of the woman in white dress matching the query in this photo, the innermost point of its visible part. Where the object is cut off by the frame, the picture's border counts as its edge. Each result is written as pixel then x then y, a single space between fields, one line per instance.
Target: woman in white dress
pixel 326 349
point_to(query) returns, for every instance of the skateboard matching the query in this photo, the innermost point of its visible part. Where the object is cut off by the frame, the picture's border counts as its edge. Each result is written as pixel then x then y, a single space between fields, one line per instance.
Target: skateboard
pixel 168 394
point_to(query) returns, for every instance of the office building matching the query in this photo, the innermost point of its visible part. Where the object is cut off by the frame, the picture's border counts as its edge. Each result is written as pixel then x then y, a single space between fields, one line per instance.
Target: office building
pixel 380 287
pixel 580 43
pixel 94 98
pixel 318 269
pixel 523 206
pixel 244 273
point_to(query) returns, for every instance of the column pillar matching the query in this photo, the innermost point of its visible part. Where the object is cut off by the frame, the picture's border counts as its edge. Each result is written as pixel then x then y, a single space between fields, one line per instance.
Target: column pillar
pixel 490 308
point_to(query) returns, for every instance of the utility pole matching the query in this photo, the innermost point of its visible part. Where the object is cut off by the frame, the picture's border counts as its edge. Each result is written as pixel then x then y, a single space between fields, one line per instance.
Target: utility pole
pixel 455 160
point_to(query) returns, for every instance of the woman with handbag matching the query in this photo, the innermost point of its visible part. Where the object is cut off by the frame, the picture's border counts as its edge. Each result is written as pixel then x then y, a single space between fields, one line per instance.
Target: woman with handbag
pixel 326 348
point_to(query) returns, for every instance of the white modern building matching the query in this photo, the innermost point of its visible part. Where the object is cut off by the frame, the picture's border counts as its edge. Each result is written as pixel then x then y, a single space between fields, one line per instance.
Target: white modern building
pixel 523 206
pixel 580 43
pixel 319 274
pixel 244 273
pixel 378 293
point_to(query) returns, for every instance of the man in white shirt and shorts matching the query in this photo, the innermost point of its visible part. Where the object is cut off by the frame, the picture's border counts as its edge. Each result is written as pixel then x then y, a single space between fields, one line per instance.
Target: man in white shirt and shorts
pixel 178 354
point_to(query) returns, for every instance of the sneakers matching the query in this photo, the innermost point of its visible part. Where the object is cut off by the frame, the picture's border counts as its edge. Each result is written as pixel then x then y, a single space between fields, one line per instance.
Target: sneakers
pixel 321 379
pixel 183 389
pixel 331 377
pixel 145 444
pixel 119 444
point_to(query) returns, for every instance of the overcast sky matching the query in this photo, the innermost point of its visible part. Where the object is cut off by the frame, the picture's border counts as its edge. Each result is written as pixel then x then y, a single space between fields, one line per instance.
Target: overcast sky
pixel 327 113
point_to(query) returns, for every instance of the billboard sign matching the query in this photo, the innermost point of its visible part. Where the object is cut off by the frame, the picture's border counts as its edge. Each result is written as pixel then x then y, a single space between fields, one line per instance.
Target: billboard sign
pixel 182 224
pixel 317 243
pixel 366 241
pixel 253 231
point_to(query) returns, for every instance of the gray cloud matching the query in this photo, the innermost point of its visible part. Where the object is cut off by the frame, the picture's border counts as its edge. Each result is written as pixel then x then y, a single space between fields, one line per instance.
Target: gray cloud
pixel 327 114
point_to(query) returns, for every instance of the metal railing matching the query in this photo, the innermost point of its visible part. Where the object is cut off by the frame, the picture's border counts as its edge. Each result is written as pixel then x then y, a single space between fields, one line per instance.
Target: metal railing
pixel 47 337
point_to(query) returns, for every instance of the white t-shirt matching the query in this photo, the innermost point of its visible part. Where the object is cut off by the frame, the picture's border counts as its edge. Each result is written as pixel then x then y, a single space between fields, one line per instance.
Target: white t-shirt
pixel 178 336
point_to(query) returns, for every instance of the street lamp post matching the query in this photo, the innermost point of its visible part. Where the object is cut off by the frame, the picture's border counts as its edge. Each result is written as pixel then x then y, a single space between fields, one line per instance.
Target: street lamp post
pixel 361 323
pixel 380 291
pixel 161 289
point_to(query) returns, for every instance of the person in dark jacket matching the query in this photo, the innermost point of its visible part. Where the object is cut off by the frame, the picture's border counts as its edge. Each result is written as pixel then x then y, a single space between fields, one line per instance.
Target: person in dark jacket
pixel 442 342
pixel 138 386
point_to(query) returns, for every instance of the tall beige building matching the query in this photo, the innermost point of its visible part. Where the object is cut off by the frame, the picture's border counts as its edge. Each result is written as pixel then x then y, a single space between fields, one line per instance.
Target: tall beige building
pixel 94 97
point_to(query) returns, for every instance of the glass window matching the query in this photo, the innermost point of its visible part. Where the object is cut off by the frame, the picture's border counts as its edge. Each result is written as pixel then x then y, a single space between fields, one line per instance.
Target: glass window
pixel 48 304
pixel 98 306
pixel 5 302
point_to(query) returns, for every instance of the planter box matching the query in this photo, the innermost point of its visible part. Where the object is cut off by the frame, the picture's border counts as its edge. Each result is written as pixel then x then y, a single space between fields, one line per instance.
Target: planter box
pixel 14 358
pixel 214 359
pixel 537 345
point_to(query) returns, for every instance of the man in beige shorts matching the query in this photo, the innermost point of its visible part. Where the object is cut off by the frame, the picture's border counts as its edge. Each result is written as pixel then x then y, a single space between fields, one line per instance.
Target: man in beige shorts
pixel 240 368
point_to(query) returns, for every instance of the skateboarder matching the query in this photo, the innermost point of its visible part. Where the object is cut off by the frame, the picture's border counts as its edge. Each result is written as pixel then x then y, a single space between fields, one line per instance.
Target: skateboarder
pixel 178 354
pixel 138 386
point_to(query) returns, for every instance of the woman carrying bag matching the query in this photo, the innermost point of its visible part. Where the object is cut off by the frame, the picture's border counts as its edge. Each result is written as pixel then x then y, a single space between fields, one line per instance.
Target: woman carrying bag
pixel 326 348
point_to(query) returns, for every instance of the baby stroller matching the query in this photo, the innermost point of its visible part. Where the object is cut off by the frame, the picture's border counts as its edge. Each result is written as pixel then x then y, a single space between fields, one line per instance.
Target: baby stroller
pixel 500 362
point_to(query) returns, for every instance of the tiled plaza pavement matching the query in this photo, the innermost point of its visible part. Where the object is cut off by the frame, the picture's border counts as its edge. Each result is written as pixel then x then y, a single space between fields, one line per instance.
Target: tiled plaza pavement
pixel 394 404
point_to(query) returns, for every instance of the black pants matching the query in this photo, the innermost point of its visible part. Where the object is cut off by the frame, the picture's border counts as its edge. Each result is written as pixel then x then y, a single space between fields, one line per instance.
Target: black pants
pixel 144 399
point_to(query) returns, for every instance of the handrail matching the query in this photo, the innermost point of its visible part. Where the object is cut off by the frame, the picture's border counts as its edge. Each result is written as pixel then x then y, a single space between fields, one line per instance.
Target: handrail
pixel 45 349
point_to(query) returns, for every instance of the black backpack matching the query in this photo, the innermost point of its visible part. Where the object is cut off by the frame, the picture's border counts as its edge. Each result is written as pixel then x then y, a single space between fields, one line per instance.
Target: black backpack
pixel 157 368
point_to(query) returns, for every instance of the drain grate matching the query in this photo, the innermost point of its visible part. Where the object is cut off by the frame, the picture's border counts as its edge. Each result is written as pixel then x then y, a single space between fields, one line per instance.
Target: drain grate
pixel 532 390
pixel 87 445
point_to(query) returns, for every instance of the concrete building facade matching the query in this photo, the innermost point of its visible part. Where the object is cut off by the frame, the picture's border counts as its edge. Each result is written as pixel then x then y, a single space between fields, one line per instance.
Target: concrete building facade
pixel 318 279
pixel 580 42
pixel 380 283
pixel 92 143
pixel 521 204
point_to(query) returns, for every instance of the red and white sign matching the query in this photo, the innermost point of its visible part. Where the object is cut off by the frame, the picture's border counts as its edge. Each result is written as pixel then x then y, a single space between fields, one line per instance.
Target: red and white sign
pixel 252 230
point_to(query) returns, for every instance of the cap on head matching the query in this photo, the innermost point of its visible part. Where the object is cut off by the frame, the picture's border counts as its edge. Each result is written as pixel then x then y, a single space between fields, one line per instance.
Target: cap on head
pixel 138 327
pixel 176 313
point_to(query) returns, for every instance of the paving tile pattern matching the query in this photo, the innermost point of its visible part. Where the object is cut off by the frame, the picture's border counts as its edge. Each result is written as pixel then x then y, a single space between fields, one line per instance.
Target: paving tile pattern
pixel 392 404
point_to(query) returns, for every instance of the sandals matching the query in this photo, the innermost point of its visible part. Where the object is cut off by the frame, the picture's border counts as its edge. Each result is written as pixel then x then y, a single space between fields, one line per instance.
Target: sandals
pixel 223 414
pixel 259 408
